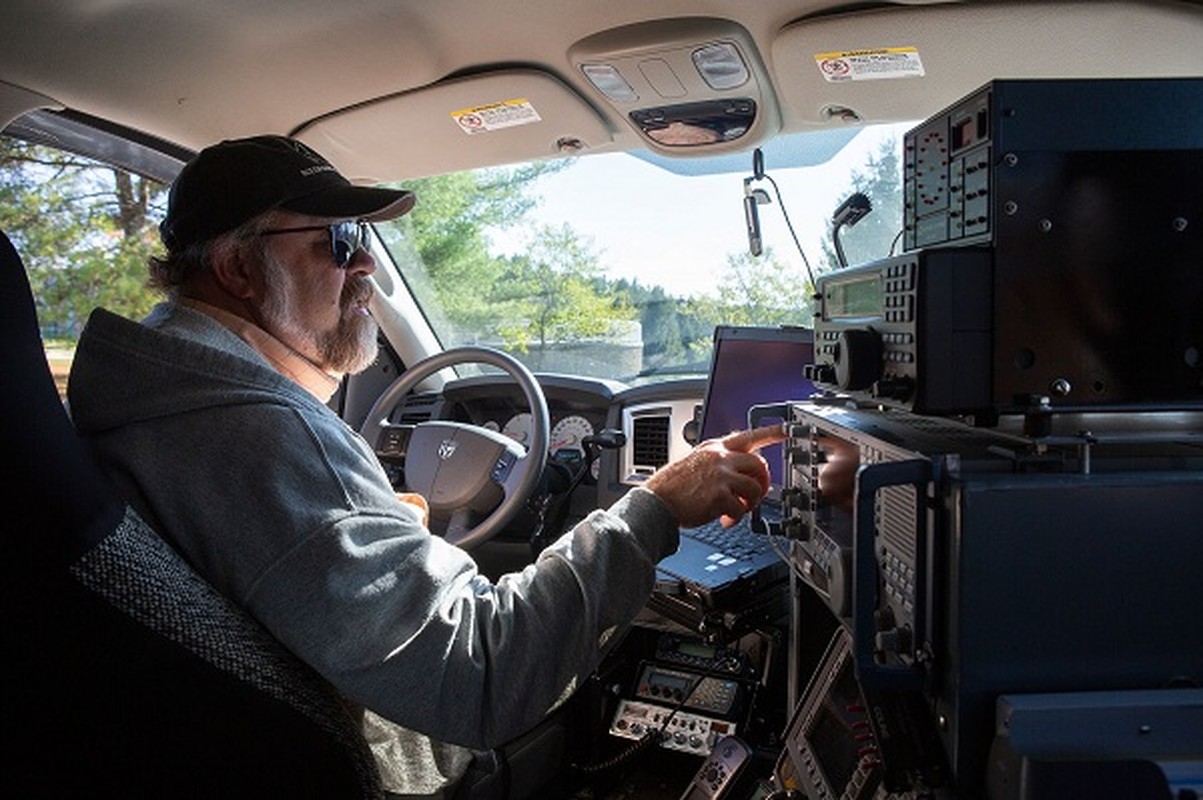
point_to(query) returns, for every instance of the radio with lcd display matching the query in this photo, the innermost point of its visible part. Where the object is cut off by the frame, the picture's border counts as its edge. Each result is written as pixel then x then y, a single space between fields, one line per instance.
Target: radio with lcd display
pixel 881 527
pixel 687 710
pixel 915 331
pixel 846 743
pixel 1053 252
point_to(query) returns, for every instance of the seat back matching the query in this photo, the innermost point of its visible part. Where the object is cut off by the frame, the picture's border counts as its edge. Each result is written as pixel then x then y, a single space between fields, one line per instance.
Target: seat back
pixel 126 671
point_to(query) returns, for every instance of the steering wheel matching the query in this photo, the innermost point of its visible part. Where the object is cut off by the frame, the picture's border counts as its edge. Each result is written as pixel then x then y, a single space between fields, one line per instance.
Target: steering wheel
pixel 465 472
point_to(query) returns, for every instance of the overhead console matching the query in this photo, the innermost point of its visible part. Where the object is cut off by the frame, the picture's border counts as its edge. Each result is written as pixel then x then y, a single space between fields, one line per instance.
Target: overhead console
pixel 695 85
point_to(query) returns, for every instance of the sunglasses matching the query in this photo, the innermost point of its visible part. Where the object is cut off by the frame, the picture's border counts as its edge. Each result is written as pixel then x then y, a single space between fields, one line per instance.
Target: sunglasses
pixel 346 238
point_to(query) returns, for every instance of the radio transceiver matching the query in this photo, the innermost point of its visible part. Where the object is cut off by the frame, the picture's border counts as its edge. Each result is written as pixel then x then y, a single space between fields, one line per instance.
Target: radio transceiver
pixel 688 710
pixel 949 563
pixel 915 330
pixel 1051 260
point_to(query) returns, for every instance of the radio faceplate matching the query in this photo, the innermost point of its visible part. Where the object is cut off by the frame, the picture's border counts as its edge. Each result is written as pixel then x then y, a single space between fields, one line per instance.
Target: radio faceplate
pixel 848 743
pixel 689 710
pixel 829 749
pixel 914 331
pixel 1088 211
pixel 895 533
pixel 866 549
pixel 684 731
pixel 717 695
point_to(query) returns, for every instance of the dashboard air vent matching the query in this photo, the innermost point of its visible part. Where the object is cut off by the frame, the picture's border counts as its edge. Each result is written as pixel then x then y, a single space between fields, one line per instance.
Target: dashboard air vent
pixel 650 442
pixel 417 408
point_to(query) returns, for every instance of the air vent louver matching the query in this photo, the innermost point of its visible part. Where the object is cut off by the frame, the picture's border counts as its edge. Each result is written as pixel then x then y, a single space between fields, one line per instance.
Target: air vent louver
pixel 417 408
pixel 650 445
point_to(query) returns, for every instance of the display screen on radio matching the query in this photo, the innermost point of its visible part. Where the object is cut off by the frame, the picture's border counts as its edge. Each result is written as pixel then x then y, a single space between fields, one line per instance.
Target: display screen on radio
pixel 831 734
pixel 678 685
pixel 859 297
pixel 697 650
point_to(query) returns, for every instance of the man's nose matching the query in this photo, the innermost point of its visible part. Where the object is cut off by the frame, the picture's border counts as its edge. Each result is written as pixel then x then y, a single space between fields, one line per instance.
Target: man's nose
pixel 362 262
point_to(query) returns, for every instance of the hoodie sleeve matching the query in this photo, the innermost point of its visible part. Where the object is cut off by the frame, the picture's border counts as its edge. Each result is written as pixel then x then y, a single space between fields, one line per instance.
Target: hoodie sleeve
pixel 403 623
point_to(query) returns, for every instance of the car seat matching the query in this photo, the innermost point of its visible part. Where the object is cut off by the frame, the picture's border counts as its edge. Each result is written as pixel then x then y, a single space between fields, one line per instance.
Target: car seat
pixel 128 674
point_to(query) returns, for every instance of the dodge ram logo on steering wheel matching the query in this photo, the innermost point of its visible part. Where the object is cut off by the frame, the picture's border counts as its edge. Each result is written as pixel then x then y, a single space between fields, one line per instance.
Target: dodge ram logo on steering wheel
pixel 447 449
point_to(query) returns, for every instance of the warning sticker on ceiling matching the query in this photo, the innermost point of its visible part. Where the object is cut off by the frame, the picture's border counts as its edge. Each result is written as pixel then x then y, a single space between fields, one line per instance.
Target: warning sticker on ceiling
pixel 870 65
pixel 495 116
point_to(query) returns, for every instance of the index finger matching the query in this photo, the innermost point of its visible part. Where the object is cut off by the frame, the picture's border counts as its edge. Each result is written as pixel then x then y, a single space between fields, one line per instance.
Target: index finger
pixel 749 441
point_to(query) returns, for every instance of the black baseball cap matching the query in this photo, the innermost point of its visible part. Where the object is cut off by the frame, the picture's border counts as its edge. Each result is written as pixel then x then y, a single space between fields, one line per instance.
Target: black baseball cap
pixel 231 182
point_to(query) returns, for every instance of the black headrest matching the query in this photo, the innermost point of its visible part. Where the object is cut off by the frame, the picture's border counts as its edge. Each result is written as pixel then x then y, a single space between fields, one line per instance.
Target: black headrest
pixel 57 489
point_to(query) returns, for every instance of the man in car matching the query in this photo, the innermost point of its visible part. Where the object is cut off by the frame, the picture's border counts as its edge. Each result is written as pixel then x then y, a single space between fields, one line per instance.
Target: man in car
pixel 212 415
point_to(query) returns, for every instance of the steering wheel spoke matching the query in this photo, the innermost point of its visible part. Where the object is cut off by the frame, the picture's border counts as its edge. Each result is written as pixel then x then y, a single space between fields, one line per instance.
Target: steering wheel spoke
pixel 460 525
pixel 475 480
pixel 509 468
pixel 393 443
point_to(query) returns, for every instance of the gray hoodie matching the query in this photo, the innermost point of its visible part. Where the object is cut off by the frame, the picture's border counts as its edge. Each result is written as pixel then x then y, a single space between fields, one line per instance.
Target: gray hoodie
pixel 285 510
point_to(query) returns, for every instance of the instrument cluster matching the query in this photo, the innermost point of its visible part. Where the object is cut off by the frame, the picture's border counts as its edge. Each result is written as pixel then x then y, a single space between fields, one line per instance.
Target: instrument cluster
pixel 576 414
pixel 568 433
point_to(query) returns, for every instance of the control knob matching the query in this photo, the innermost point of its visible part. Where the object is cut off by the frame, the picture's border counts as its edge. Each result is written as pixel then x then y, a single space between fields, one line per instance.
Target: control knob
pixel 857 359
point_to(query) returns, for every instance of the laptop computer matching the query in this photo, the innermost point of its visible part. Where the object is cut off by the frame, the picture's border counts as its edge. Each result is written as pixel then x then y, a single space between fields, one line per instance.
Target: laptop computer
pixel 753 371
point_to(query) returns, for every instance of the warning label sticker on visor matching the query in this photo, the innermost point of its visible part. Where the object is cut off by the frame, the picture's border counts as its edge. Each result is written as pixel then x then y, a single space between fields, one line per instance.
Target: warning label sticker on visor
pixel 495 116
pixel 870 65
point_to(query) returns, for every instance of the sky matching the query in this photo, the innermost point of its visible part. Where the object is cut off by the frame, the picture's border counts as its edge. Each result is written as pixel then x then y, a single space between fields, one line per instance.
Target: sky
pixel 678 232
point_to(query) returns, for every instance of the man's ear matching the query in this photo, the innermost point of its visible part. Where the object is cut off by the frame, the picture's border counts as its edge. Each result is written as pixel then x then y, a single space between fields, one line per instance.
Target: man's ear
pixel 236 273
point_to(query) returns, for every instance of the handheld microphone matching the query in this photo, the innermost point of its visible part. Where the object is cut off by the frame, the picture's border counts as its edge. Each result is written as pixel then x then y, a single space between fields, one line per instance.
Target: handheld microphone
pixel 752 218
pixel 751 215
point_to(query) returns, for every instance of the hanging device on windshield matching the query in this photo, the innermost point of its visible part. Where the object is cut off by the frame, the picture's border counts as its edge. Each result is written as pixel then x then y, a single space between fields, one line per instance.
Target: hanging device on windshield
pixel 754 197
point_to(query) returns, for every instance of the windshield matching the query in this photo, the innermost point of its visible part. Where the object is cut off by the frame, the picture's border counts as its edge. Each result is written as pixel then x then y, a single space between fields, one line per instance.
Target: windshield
pixel 612 266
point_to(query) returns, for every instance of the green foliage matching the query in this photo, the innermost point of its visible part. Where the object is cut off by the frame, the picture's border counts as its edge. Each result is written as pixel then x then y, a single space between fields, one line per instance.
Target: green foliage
pixel 552 293
pixel 83 230
pixel 448 234
pixel 752 291
pixel 764 291
pixel 670 325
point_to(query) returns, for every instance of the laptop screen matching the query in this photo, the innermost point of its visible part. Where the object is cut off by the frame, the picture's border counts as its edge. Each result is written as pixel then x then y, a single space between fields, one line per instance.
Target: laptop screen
pixel 753 366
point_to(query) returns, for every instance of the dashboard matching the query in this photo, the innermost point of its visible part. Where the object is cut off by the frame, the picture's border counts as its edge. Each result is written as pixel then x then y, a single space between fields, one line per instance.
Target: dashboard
pixel 655 421
pixel 579 408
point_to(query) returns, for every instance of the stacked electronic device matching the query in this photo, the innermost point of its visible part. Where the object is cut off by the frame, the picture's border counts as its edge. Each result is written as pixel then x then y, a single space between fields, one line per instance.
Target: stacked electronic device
pixel 1022 390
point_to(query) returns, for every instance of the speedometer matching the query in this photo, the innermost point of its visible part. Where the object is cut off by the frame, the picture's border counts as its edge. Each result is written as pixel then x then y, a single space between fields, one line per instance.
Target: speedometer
pixel 569 433
pixel 518 428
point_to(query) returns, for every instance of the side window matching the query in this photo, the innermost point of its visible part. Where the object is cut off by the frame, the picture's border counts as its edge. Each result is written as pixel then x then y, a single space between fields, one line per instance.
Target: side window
pixel 84 230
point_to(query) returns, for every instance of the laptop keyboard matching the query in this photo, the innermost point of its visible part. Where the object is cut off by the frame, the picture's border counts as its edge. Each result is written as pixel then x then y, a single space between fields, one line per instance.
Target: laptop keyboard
pixel 738 541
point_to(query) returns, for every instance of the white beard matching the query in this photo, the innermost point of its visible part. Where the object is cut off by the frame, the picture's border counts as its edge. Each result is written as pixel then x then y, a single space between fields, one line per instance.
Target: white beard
pixel 349 348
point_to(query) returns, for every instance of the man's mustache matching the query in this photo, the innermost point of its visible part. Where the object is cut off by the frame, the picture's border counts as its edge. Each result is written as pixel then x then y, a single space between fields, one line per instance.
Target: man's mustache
pixel 357 291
